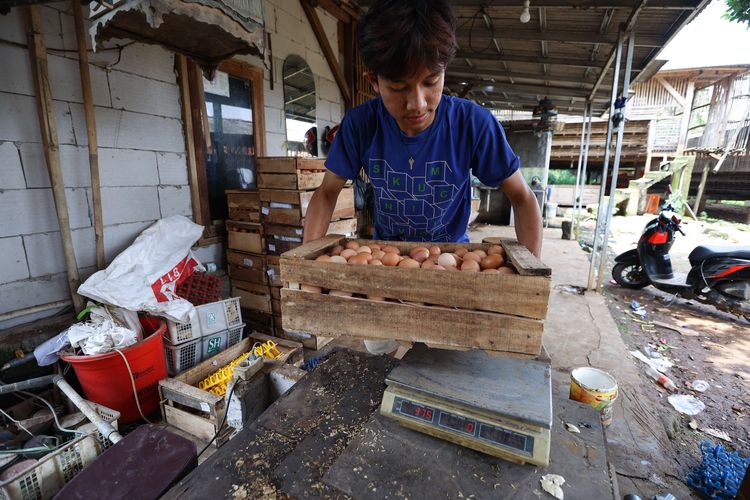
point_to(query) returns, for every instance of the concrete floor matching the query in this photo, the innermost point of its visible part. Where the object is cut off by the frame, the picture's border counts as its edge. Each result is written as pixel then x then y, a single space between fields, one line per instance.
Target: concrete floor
pixel 579 331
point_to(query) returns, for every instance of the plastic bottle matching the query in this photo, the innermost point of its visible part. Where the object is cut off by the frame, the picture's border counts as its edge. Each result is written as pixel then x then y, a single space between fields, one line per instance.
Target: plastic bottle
pixel 661 379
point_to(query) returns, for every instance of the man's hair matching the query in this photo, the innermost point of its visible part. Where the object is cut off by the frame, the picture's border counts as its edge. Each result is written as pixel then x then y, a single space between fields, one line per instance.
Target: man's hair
pixel 398 37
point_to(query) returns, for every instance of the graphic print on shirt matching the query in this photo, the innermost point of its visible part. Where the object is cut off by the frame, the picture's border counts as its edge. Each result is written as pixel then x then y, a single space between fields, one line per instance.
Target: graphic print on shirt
pixel 412 208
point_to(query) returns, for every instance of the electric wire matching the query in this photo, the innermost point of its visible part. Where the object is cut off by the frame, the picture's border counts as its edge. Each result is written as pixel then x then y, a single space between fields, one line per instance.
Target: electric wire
pixel 54 415
pixel 223 421
pixel 19 424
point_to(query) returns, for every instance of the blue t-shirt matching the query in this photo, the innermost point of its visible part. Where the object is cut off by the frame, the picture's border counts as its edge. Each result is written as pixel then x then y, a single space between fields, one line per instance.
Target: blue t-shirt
pixel 430 201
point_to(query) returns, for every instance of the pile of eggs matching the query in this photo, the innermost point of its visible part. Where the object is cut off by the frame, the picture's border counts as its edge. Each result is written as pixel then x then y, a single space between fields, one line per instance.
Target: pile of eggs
pixel 491 261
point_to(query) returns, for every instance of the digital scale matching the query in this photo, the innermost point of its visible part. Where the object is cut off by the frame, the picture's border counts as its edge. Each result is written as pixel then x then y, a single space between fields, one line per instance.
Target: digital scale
pixel 500 406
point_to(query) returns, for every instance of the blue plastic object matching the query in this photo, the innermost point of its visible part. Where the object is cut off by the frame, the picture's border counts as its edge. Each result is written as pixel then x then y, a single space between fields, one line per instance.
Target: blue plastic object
pixel 721 472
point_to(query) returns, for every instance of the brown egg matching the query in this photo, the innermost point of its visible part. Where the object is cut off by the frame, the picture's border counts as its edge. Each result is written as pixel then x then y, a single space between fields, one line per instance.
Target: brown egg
pixel 377 254
pixel 496 250
pixel 472 256
pixel 348 253
pixel 352 244
pixel 368 256
pixel 433 258
pixel 311 288
pixel 491 271
pixel 339 293
pixel 390 259
pixel 435 250
pixel 447 260
pixel 336 250
pixel 417 249
pixel 409 263
pixel 360 259
pixel 428 264
pixel 506 270
pixel 460 252
pixel 365 249
pixel 374 246
pixel 338 259
pixel 439 267
pixel 480 252
pixel 421 255
pixel 492 261
pixel 470 266
pixel 323 258
pixel 391 249
pixel 376 262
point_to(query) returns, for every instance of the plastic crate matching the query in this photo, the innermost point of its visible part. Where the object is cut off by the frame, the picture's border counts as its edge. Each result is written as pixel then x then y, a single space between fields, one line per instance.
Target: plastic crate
pixel 108 415
pixel 234 335
pixel 53 471
pixel 214 343
pixel 183 356
pixel 200 288
pixel 209 318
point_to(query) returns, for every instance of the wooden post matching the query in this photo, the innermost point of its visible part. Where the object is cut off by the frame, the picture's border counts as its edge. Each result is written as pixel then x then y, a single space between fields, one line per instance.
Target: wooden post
pixel 48 129
pixel 687 108
pixel 187 120
pixel 88 108
pixel 699 201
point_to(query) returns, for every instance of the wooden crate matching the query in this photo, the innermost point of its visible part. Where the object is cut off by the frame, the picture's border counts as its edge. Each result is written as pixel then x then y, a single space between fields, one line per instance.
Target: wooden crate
pixel 289 172
pixel 491 311
pixel 243 204
pixel 291 351
pixel 245 236
pixel 248 267
pixel 273 270
pixel 252 295
pixel 193 410
pixel 308 340
pixel 282 206
pixel 282 238
pixel 257 321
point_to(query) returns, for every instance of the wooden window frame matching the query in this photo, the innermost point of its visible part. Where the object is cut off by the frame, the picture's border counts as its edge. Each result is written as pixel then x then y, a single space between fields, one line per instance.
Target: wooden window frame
pixel 195 126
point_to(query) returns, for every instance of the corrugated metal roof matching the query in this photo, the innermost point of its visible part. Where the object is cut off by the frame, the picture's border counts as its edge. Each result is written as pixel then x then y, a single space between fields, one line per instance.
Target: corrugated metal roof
pixel 565 51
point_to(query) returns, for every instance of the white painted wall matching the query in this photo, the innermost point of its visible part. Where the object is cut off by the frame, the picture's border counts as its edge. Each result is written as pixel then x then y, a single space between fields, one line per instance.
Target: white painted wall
pixel 141 145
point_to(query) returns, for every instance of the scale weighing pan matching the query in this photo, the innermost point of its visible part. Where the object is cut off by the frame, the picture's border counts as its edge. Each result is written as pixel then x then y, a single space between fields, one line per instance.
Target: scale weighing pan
pixel 496 405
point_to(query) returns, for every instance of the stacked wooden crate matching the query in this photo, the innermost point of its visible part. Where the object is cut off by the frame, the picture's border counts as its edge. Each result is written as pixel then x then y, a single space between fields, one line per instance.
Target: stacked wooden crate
pixel 285 188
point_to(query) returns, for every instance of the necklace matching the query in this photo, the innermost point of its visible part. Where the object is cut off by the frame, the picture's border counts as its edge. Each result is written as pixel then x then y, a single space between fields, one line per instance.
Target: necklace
pixel 403 143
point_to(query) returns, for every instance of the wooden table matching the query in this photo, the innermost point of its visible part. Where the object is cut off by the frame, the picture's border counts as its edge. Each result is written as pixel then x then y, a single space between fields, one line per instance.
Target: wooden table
pixel 326 439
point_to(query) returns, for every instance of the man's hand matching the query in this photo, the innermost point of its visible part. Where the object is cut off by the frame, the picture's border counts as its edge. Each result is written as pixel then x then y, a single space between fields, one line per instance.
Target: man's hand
pixel 528 218
pixel 320 209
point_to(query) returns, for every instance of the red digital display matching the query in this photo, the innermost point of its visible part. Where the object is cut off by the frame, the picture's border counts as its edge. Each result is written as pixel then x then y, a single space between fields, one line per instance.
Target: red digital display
pixel 457 423
pixel 418 411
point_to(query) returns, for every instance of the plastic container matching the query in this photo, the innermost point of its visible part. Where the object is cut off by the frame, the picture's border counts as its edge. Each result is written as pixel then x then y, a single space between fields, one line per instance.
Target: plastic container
pixel 595 388
pixel 108 415
pixel 234 335
pixel 661 379
pixel 106 380
pixel 209 318
pixel 183 357
pixel 53 471
pixel 551 210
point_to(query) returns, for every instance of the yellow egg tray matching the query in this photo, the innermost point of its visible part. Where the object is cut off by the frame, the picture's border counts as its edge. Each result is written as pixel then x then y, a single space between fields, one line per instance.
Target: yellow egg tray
pixel 216 383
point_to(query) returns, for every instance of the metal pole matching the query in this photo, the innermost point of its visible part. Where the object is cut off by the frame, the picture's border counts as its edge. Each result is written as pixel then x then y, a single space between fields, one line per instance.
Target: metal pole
pixel 578 171
pixel 616 165
pixel 547 157
pixel 585 159
pixel 605 168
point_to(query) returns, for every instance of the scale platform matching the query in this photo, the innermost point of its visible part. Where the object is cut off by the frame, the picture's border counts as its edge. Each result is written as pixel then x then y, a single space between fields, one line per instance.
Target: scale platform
pixel 496 405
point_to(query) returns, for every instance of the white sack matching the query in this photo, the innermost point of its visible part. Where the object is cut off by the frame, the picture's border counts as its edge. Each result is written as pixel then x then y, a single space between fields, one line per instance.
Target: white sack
pixel 144 276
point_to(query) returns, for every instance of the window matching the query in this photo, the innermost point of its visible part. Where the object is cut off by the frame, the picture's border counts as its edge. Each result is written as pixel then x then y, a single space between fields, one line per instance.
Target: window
pixel 225 130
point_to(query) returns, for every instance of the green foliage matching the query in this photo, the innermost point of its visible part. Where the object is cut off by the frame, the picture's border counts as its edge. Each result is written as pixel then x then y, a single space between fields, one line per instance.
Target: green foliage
pixel 556 176
pixel 739 11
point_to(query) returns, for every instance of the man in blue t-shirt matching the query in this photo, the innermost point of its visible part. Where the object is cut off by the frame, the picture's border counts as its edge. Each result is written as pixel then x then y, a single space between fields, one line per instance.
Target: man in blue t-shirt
pixel 417 146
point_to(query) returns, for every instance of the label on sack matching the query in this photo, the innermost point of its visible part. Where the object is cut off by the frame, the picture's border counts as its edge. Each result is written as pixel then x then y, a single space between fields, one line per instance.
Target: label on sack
pixel 164 287
pixel 264 210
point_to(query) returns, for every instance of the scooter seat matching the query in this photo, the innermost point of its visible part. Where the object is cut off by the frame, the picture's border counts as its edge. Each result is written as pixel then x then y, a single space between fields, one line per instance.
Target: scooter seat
pixel 704 252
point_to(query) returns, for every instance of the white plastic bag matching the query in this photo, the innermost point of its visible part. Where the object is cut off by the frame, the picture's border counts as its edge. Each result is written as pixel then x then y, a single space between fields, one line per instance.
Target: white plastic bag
pixel 144 276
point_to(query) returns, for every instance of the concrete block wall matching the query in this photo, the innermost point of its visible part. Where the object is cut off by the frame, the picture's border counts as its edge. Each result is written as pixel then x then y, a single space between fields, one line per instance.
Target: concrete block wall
pixel 142 160
pixel 291 34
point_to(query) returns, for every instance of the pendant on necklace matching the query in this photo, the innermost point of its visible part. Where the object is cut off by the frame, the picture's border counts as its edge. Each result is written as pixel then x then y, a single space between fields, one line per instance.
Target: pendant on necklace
pixel 411 163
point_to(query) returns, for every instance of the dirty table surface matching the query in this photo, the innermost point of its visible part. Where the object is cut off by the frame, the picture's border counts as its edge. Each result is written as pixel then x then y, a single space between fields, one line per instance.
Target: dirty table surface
pixel 326 439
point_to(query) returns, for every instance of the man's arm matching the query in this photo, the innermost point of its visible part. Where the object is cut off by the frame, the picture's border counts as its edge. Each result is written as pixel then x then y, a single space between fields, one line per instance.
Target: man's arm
pixel 320 209
pixel 528 218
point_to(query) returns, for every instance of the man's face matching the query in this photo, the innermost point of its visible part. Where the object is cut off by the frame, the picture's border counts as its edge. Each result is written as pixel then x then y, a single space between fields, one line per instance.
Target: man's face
pixel 412 100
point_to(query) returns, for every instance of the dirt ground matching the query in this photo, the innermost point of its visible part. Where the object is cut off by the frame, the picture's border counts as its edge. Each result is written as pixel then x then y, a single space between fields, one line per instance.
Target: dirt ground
pixel 708 345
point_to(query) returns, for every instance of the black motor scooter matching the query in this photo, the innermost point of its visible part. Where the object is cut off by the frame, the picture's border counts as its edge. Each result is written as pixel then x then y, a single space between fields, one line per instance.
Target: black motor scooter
pixel 719 275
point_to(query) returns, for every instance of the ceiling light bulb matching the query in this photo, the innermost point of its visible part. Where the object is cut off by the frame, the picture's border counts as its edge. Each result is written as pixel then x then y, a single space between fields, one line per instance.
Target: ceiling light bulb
pixel 525 15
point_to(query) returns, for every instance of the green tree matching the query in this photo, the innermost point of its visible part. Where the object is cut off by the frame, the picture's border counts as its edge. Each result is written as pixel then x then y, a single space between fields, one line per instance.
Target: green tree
pixel 739 10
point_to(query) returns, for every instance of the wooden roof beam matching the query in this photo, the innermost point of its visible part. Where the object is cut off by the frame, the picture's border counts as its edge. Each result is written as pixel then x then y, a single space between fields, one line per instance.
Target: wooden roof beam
pixel 554 61
pixel 581 37
pixel 479 73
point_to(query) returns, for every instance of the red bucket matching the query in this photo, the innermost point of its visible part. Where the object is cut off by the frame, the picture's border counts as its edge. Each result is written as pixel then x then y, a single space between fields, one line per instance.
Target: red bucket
pixel 105 378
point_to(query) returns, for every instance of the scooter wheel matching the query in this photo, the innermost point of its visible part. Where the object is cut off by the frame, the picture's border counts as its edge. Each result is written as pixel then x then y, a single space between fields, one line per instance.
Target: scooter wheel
pixel 630 275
